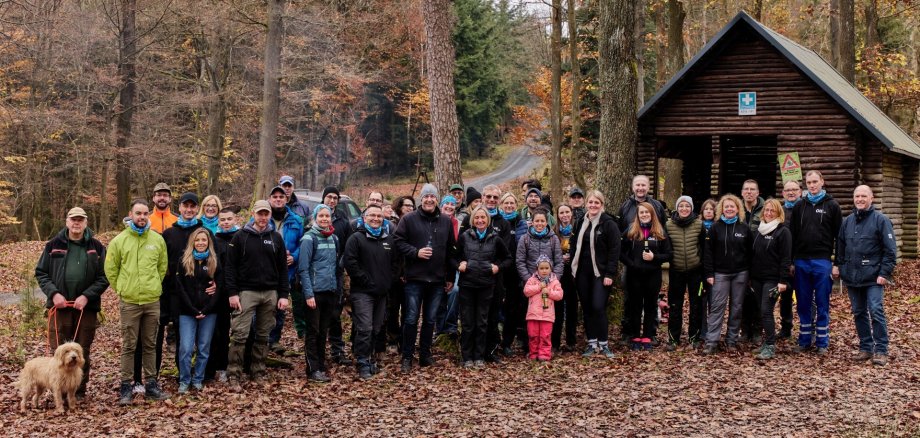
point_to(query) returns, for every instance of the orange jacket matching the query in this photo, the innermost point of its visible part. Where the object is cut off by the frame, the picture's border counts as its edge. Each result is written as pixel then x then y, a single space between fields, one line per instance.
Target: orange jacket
pixel 160 221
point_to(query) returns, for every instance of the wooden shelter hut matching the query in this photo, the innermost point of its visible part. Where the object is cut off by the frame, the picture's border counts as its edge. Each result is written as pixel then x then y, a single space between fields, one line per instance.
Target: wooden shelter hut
pixel 799 104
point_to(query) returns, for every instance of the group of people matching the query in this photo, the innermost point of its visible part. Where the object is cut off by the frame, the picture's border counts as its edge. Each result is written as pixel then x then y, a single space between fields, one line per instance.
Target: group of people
pixel 468 265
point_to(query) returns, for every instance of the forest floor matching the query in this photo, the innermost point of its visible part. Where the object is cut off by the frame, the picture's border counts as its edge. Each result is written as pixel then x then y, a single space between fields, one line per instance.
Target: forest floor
pixel 654 393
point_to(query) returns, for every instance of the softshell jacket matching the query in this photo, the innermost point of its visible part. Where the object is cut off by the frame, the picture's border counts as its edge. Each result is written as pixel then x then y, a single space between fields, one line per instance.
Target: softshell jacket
pixel 727 248
pixel 606 245
pixel 772 256
pixel 815 228
pixel 318 265
pixel 291 232
pixel 685 240
pixel 372 262
pixel 866 248
pixel 192 300
pixel 531 247
pixel 419 229
pixel 136 265
pixel 160 221
pixel 752 217
pixel 533 291
pixel 631 253
pixel 257 261
pixel 480 255
pixel 52 267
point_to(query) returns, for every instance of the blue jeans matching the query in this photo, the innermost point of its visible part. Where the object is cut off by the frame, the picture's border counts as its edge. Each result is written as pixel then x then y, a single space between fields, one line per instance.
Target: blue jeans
pixel 869 315
pixel 419 294
pixel 813 283
pixel 193 333
pixel 448 310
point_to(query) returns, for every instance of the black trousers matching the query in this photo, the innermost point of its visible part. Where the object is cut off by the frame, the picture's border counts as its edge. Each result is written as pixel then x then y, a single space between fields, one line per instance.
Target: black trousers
pixel 395 298
pixel 493 336
pixel 475 304
pixel 336 339
pixel 369 313
pixel 690 282
pixel 593 296
pixel 317 331
pixel 762 292
pixel 785 310
pixel 566 312
pixel 642 288
pixel 515 309
pixel 750 315
pixel 220 342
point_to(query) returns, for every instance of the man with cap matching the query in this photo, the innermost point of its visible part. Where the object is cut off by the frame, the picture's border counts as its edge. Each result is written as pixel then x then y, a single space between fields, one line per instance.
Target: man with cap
pixel 162 218
pixel 287 183
pixel 257 283
pixel 342 230
pixel 456 190
pixel 70 273
pixel 577 202
pixel 425 238
pixel 135 266
pixel 290 226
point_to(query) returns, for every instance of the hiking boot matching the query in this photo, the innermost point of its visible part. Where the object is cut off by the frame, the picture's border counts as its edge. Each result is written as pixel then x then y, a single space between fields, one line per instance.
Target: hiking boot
pixel 125 393
pixel 492 358
pixel 710 349
pixel 507 351
pixel 406 366
pixel 318 377
pixel 222 376
pixel 767 352
pixel 183 388
pixel 589 351
pixel 880 359
pixel 822 351
pixel 757 350
pixel 425 361
pixel 862 356
pixel 153 391
pixel 364 373
pixel 757 339
pixel 695 344
pixel 605 350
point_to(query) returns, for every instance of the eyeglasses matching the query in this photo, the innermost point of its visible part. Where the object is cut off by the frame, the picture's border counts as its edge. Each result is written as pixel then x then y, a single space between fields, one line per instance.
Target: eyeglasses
pixel 490 196
pixel 333 197
pixel 790 190
pixel 408 205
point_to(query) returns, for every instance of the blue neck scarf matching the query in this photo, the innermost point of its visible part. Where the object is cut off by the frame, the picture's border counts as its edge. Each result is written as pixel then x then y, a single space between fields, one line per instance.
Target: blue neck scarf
pixel 729 221
pixel 510 216
pixel 533 231
pixel 565 230
pixel 814 199
pixel 707 224
pixel 200 255
pixel 790 204
pixel 232 230
pixel 210 223
pixel 492 211
pixel 182 223
pixel 138 230
pixel 376 232
pixel 481 234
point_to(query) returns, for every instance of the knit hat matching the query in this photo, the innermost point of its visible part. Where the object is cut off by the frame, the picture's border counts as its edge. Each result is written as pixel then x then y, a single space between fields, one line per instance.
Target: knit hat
pixel 472 194
pixel 319 207
pixel 428 189
pixel 684 198
pixel 330 189
pixel 448 199
pixel 544 258
pixel 533 190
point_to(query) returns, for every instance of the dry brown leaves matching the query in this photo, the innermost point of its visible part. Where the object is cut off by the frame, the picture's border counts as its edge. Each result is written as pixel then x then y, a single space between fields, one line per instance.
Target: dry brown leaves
pixel 637 394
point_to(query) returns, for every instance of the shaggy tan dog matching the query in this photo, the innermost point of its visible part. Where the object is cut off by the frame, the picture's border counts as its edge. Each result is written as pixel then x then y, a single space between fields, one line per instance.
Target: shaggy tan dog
pixel 59 374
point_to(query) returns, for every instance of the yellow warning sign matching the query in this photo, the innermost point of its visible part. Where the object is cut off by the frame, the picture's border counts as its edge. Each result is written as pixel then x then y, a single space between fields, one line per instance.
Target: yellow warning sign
pixel 790 167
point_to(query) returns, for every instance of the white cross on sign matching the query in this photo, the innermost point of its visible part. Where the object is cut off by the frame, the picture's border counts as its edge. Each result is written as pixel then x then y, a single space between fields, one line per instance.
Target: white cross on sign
pixel 747 103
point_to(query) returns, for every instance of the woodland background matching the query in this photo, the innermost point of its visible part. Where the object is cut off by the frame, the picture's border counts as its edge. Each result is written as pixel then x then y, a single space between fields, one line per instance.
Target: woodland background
pixel 354 101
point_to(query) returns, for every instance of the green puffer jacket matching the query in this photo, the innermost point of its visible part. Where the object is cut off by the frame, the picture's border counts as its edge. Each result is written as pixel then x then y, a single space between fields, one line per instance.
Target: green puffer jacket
pixel 136 265
pixel 685 239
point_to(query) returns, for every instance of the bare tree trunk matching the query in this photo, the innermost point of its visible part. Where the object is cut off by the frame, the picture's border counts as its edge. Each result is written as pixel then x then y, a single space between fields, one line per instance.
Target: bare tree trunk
pixel 124 112
pixel 847 40
pixel 661 60
pixel 616 163
pixel 103 223
pixel 218 70
pixel 871 12
pixel 671 169
pixel 577 149
pixel 439 55
pixel 833 33
pixel 640 52
pixel 271 100
pixel 555 113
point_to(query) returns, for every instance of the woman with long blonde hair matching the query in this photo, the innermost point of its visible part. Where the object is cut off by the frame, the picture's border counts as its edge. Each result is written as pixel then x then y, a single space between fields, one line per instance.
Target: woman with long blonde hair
pixel 645 247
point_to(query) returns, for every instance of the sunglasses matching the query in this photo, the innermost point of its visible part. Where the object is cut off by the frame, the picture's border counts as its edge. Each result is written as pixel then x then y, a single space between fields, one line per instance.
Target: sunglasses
pixel 490 196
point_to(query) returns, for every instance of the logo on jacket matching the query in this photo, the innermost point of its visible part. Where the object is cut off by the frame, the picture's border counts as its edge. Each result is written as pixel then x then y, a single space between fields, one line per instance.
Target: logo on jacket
pixel 739 234
pixel 150 247
pixel 267 242
pixel 819 210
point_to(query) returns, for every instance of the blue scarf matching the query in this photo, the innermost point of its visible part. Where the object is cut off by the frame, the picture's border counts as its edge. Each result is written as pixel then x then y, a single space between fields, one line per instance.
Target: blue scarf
pixel 533 232
pixel 790 204
pixel 200 255
pixel 729 221
pixel 182 223
pixel 565 230
pixel 376 232
pixel 814 199
pixel 139 231
pixel 510 216
pixel 481 234
pixel 210 223
pixel 707 224
pixel 492 211
pixel 232 230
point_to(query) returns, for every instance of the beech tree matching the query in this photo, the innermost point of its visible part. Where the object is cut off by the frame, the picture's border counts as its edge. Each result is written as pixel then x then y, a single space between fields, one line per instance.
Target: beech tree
pixel 555 122
pixel 271 99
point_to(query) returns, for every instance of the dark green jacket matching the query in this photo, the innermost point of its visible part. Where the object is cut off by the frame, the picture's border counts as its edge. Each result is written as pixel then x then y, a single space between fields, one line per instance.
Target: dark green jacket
pixel 686 243
pixel 52 267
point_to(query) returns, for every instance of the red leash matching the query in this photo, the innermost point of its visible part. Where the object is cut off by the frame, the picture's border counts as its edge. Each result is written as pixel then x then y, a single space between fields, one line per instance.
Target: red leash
pixel 53 314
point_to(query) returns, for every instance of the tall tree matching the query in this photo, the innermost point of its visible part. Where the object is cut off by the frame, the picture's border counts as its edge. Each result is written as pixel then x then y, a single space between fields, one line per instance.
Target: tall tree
pixel 271 99
pixel 439 57
pixel 871 14
pixel 833 33
pixel 577 148
pixel 555 178
pixel 671 168
pixel 847 40
pixel 214 65
pixel 616 161
pixel 124 111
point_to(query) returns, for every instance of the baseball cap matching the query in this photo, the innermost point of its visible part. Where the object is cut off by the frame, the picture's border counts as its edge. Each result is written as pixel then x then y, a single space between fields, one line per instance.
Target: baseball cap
pixel 261 205
pixel 286 179
pixel 188 197
pixel 76 212
pixel 276 189
pixel 162 187
pixel 576 192
pixel 455 187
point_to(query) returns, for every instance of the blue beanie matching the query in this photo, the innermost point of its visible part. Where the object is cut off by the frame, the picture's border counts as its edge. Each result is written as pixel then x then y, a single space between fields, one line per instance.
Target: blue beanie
pixel 320 207
pixel 448 199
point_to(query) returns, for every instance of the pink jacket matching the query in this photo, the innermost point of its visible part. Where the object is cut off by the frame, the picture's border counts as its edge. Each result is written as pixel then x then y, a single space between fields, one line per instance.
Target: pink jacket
pixel 533 290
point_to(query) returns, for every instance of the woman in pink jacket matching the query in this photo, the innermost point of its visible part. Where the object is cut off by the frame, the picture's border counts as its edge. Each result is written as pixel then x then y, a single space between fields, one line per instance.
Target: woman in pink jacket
pixel 542 290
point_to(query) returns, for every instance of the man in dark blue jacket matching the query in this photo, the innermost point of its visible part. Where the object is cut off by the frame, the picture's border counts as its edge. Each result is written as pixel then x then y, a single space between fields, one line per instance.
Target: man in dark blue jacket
pixel 866 255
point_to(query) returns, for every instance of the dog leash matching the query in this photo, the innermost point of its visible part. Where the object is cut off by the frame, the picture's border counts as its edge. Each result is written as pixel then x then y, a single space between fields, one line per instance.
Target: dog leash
pixel 53 315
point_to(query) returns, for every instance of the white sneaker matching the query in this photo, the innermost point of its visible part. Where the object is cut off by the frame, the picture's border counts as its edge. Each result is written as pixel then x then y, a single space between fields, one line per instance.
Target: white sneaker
pixel 140 389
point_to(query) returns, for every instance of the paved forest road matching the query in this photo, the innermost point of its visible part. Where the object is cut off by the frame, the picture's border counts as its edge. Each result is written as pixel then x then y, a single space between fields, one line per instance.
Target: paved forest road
pixel 520 162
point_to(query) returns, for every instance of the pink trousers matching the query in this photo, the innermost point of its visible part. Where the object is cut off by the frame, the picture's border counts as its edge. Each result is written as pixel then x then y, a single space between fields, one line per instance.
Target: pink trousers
pixel 539 333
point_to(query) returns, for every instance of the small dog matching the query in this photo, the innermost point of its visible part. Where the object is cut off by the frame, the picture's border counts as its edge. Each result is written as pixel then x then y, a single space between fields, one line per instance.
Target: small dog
pixel 59 374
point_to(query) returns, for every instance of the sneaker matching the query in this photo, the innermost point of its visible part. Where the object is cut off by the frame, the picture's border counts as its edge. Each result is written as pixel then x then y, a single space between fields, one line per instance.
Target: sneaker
pixel 426 361
pixel 139 388
pixel 183 388
pixel 757 350
pixel 479 363
pixel 821 351
pixel 589 351
pixel 153 391
pixel 880 359
pixel 467 364
pixel 125 394
pixel 710 349
pixel 318 377
pixel 197 387
pixel 406 366
pixel 862 356
pixel 605 350
pixel 364 373
pixel 767 352
pixel 648 343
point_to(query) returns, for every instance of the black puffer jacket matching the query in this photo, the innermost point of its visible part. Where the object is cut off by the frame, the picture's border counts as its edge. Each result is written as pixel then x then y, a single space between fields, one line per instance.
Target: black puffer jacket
pixel 727 248
pixel 772 256
pixel 480 255
pixel 606 245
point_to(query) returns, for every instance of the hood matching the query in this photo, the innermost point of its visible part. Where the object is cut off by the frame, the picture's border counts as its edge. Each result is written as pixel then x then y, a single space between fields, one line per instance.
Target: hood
pixel 64 235
pixel 251 230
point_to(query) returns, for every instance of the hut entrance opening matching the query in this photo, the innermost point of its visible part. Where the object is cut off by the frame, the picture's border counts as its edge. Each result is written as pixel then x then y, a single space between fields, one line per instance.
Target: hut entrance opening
pixel 748 157
pixel 693 158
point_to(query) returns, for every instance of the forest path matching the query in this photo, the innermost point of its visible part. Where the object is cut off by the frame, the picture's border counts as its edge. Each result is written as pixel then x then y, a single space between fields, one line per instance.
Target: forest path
pixel 520 162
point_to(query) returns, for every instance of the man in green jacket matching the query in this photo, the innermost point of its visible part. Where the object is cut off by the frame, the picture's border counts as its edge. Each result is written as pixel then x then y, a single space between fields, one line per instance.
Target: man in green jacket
pixel 135 266
pixel 70 273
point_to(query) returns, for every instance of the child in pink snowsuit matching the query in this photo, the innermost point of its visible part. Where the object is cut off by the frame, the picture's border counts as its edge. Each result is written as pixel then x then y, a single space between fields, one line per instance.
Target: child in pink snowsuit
pixel 542 290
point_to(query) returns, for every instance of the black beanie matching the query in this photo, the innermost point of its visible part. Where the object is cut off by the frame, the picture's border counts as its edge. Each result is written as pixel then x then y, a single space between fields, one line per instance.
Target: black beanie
pixel 471 195
pixel 330 189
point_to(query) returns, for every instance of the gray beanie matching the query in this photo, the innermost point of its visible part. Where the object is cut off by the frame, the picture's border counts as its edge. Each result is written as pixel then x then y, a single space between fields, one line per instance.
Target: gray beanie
pixel 684 198
pixel 428 189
